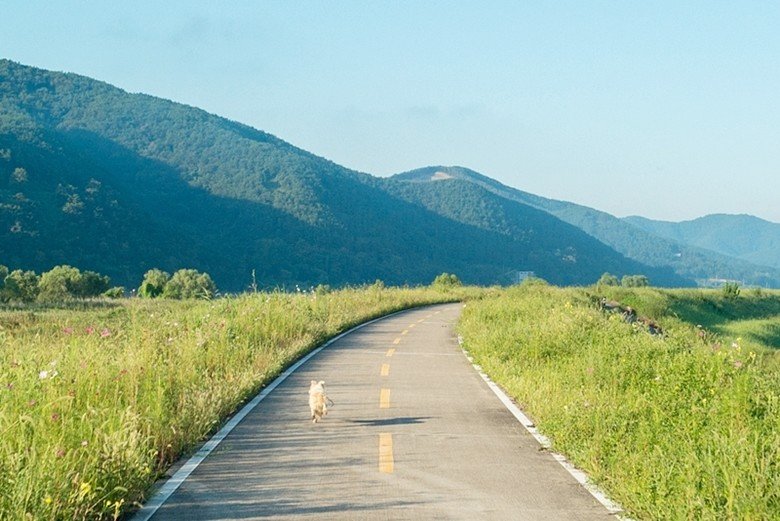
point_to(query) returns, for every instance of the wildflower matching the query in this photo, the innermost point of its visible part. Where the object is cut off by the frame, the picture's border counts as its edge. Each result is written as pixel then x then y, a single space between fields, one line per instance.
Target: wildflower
pixel 84 443
pixel 32 403
pixel 47 500
pixel 105 333
pixel 85 488
pixel 89 330
pixel 43 375
pixel 55 416
pixel 60 453
pixel 67 330
pixel 737 364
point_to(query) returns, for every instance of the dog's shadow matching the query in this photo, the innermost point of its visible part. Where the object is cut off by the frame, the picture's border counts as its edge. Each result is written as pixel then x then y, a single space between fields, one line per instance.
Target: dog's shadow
pixel 405 420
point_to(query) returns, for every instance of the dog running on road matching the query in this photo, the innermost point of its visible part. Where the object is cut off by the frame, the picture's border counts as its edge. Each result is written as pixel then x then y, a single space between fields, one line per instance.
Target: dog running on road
pixel 318 400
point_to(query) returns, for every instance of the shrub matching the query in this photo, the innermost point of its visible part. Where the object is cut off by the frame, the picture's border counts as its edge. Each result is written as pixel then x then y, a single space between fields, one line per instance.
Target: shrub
pixel 730 290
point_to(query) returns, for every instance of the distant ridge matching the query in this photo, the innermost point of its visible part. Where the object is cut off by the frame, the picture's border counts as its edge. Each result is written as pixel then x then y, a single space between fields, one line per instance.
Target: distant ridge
pixel 742 236
pixel 645 242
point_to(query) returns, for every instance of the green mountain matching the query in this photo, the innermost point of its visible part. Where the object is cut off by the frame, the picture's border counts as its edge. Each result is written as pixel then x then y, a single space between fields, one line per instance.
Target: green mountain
pixel 743 236
pixel 687 260
pixel 118 183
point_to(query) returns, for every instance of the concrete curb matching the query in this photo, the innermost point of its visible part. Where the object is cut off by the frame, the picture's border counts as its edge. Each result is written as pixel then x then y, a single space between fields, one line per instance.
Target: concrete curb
pixel 544 441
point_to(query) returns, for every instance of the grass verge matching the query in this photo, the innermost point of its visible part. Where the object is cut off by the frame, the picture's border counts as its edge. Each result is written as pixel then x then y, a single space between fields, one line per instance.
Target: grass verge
pixel 682 426
pixel 96 401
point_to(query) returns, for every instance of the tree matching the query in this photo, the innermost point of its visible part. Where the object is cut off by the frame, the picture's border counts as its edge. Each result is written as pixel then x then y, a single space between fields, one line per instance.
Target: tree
pixel 153 284
pixel 189 283
pixel 21 285
pixel 19 175
pixel 446 280
pixel 608 279
pixel 634 281
pixel 58 284
pixel 91 284
pixel 3 275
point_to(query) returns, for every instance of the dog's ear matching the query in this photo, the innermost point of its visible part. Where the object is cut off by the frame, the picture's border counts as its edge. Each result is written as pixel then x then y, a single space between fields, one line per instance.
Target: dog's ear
pixel 322 382
pixel 314 382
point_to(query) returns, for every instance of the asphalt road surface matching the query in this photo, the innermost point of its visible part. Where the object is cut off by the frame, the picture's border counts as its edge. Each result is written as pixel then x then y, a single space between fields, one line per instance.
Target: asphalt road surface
pixel 415 433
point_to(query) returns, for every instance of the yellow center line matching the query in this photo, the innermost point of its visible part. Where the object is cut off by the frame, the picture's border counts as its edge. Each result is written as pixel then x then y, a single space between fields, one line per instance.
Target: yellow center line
pixel 404 331
pixel 421 320
pixel 386 453
pixel 411 326
pixel 384 399
pixel 397 340
pixel 390 352
pixel 385 370
pixel 437 312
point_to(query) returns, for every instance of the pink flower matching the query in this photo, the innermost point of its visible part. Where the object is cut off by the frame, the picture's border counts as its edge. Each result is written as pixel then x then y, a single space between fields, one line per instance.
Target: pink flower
pixel 89 330
pixel 55 416
pixel 105 333
pixel 67 330
pixel 60 453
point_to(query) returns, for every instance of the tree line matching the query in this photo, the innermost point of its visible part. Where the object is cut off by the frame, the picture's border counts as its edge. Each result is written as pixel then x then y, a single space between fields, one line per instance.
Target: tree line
pixel 64 282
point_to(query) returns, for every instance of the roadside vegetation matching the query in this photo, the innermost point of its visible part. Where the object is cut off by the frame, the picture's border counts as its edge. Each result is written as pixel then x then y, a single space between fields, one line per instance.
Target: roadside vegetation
pixel 680 424
pixel 98 398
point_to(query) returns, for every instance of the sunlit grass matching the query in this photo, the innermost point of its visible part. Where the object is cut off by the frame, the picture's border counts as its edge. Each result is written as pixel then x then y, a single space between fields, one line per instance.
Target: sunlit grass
pixel 685 426
pixel 97 401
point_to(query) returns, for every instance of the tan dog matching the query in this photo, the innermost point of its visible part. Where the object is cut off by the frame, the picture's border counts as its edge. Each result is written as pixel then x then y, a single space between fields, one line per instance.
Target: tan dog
pixel 318 400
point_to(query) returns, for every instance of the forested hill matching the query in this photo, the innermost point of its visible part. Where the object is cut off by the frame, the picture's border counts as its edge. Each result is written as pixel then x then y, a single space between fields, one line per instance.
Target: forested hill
pixel 647 242
pixel 119 183
pixel 743 236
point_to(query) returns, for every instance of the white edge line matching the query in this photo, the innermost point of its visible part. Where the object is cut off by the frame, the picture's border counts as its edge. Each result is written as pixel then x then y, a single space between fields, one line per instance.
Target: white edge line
pixel 175 481
pixel 544 441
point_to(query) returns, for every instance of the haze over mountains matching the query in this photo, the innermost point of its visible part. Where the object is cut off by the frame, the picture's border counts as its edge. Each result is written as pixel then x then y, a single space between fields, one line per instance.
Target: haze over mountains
pixel 119 183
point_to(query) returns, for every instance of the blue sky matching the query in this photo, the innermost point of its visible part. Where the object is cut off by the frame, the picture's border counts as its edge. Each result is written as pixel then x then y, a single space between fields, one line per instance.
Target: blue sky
pixel 670 110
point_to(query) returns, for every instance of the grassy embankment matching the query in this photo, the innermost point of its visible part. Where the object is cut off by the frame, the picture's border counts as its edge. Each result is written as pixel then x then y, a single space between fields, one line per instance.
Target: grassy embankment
pixel 684 426
pixel 97 400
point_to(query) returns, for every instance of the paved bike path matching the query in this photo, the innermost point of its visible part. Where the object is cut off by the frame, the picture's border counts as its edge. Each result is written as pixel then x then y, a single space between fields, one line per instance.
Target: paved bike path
pixel 415 433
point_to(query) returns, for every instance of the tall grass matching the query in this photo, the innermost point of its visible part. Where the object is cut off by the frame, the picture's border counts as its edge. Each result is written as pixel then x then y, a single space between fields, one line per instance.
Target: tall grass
pixel 683 426
pixel 96 402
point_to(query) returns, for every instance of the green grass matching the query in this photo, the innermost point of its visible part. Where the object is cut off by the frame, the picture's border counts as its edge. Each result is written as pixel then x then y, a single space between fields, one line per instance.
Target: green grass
pixel 97 400
pixel 685 426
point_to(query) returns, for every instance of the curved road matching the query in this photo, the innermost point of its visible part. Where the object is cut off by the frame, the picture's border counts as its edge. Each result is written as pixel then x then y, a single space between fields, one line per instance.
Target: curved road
pixel 415 433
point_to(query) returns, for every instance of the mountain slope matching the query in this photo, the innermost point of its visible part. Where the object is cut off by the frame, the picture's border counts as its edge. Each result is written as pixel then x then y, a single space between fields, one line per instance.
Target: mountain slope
pixel 119 183
pixel 634 242
pixel 743 236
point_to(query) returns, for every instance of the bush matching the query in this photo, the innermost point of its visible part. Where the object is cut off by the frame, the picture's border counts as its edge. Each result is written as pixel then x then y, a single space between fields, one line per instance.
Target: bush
pixel 115 292
pixel 730 290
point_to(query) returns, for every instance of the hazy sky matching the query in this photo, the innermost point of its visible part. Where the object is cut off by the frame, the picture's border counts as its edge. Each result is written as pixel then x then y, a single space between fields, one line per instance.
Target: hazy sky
pixel 669 110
